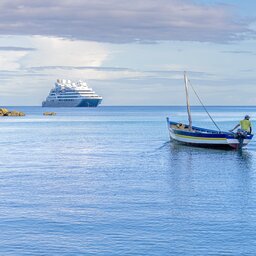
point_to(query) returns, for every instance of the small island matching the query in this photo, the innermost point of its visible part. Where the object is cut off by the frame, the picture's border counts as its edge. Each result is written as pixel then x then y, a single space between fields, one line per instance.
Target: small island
pixel 49 114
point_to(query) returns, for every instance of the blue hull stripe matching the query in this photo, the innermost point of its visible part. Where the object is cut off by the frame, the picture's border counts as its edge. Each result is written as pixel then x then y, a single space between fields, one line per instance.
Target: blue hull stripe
pixel 200 135
pixel 89 103
pixel 74 103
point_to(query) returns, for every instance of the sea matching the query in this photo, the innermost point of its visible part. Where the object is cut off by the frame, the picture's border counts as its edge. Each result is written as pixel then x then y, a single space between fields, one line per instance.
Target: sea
pixel 108 181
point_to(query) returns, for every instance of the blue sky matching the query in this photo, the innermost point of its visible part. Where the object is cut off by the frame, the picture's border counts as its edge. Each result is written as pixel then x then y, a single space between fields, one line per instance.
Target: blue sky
pixel 131 52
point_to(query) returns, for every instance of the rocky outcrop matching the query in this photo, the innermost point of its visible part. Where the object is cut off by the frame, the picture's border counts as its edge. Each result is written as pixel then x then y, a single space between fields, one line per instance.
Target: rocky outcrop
pixel 6 112
pixel 3 111
pixel 49 114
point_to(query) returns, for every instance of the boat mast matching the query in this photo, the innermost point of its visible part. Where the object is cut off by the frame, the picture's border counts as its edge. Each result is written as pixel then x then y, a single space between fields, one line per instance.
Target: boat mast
pixel 187 99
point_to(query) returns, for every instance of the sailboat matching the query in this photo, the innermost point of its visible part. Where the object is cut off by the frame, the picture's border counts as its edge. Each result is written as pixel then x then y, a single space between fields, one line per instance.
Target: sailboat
pixel 201 137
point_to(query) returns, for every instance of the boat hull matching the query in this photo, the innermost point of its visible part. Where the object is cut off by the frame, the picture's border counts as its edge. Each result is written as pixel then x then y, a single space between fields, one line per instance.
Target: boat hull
pixel 206 138
pixel 72 103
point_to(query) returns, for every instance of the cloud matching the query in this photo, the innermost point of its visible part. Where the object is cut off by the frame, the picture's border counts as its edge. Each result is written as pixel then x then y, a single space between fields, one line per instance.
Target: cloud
pixel 16 49
pixel 119 21
pixel 45 51
pixel 10 60
pixel 240 52
pixel 43 68
pixel 89 73
pixel 62 52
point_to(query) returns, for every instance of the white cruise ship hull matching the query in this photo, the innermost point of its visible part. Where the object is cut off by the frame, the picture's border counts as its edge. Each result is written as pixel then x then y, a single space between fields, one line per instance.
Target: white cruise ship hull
pixel 72 103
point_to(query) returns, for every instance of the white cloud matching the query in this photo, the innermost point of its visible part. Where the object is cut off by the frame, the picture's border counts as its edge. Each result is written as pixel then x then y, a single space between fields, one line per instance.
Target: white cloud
pixel 9 60
pixel 52 51
pixel 40 51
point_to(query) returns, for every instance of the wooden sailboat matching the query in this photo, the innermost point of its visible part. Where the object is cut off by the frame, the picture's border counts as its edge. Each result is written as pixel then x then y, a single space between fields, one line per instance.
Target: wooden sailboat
pixel 196 136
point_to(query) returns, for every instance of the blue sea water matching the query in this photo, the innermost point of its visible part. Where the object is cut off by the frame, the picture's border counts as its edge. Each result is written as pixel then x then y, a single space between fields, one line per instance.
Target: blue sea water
pixel 107 181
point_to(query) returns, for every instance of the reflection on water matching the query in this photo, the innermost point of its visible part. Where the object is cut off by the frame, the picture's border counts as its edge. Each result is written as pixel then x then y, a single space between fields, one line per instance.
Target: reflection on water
pixel 213 194
pixel 107 181
pixel 246 159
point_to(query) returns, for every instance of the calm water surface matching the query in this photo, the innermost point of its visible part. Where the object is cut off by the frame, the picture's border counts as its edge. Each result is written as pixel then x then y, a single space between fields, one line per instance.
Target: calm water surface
pixel 107 181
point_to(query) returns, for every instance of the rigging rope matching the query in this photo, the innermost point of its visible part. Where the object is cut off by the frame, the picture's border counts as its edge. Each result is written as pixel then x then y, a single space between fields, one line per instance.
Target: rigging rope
pixel 203 105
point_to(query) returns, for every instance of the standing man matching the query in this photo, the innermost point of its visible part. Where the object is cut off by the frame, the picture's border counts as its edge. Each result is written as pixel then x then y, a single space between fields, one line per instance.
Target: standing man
pixel 245 125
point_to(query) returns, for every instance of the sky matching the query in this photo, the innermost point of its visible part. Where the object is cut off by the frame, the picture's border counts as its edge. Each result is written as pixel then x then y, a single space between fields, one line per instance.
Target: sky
pixel 130 52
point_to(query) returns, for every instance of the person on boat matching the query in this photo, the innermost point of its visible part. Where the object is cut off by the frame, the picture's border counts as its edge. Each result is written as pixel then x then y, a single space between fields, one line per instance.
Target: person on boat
pixel 245 125
pixel 180 126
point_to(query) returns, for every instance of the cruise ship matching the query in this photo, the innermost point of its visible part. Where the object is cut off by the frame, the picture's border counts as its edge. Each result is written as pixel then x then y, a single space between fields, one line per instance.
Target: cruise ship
pixel 67 93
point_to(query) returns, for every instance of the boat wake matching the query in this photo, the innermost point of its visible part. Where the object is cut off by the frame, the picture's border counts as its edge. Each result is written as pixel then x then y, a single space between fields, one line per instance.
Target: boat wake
pixel 167 143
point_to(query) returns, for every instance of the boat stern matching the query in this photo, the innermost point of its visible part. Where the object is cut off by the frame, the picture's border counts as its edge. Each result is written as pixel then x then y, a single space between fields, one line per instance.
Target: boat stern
pixel 237 142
